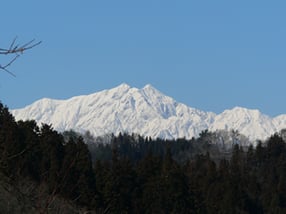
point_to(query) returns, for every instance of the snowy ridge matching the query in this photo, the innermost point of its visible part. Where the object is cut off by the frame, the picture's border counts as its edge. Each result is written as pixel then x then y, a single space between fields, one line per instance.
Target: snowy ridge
pixel 144 111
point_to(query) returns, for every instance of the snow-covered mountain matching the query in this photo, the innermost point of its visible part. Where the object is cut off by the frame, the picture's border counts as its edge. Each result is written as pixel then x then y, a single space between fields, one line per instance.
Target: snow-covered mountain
pixel 251 123
pixel 144 111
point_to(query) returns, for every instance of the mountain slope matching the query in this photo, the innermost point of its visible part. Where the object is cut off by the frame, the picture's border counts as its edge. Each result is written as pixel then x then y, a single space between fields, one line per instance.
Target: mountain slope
pixel 144 111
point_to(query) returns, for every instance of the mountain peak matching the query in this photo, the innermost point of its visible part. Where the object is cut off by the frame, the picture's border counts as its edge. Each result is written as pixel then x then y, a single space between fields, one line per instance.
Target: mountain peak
pixel 241 112
pixel 148 86
pixel 150 90
pixel 123 86
pixel 242 109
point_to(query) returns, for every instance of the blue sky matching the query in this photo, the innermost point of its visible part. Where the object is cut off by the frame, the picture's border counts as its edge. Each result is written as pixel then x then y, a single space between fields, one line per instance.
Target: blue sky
pixel 211 55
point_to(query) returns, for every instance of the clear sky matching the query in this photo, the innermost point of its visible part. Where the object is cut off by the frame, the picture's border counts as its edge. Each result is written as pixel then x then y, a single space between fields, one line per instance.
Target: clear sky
pixel 211 55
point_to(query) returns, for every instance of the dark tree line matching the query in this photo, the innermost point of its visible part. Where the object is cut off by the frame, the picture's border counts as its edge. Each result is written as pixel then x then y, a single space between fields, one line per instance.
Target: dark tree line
pixel 246 181
pixel 133 174
pixel 136 147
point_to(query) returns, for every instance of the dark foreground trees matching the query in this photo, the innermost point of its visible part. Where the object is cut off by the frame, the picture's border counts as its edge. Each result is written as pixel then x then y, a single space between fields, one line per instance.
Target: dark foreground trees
pixel 135 175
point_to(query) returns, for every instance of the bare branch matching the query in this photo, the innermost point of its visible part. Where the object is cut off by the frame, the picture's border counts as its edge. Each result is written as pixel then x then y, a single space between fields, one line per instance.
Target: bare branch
pixel 5 67
pixel 12 44
pixel 16 50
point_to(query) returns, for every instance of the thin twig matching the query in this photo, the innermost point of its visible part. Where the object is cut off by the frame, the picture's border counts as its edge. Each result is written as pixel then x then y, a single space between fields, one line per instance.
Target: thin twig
pixel 5 67
pixel 16 50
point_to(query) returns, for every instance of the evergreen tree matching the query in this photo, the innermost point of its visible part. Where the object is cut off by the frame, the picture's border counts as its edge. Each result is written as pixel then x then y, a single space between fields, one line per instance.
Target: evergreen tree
pixel 120 185
pixel 52 156
pixel 11 147
pixel 31 157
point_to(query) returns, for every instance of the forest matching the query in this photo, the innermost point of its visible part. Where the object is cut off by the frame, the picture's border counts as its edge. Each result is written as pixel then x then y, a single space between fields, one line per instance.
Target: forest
pixel 44 171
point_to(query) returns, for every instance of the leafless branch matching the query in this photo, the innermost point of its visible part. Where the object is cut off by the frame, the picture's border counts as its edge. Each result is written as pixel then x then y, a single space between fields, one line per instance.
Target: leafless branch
pixel 16 50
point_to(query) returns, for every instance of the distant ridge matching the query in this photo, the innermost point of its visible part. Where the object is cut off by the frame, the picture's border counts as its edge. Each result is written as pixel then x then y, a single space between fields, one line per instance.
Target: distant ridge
pixel 145 111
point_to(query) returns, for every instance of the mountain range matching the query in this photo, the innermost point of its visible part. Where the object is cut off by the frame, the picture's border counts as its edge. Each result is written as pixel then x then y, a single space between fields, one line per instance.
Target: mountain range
pixel 147 112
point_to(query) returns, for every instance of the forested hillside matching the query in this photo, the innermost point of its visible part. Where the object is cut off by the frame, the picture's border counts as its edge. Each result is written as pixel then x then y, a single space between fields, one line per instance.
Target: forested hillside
pixel 43 171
